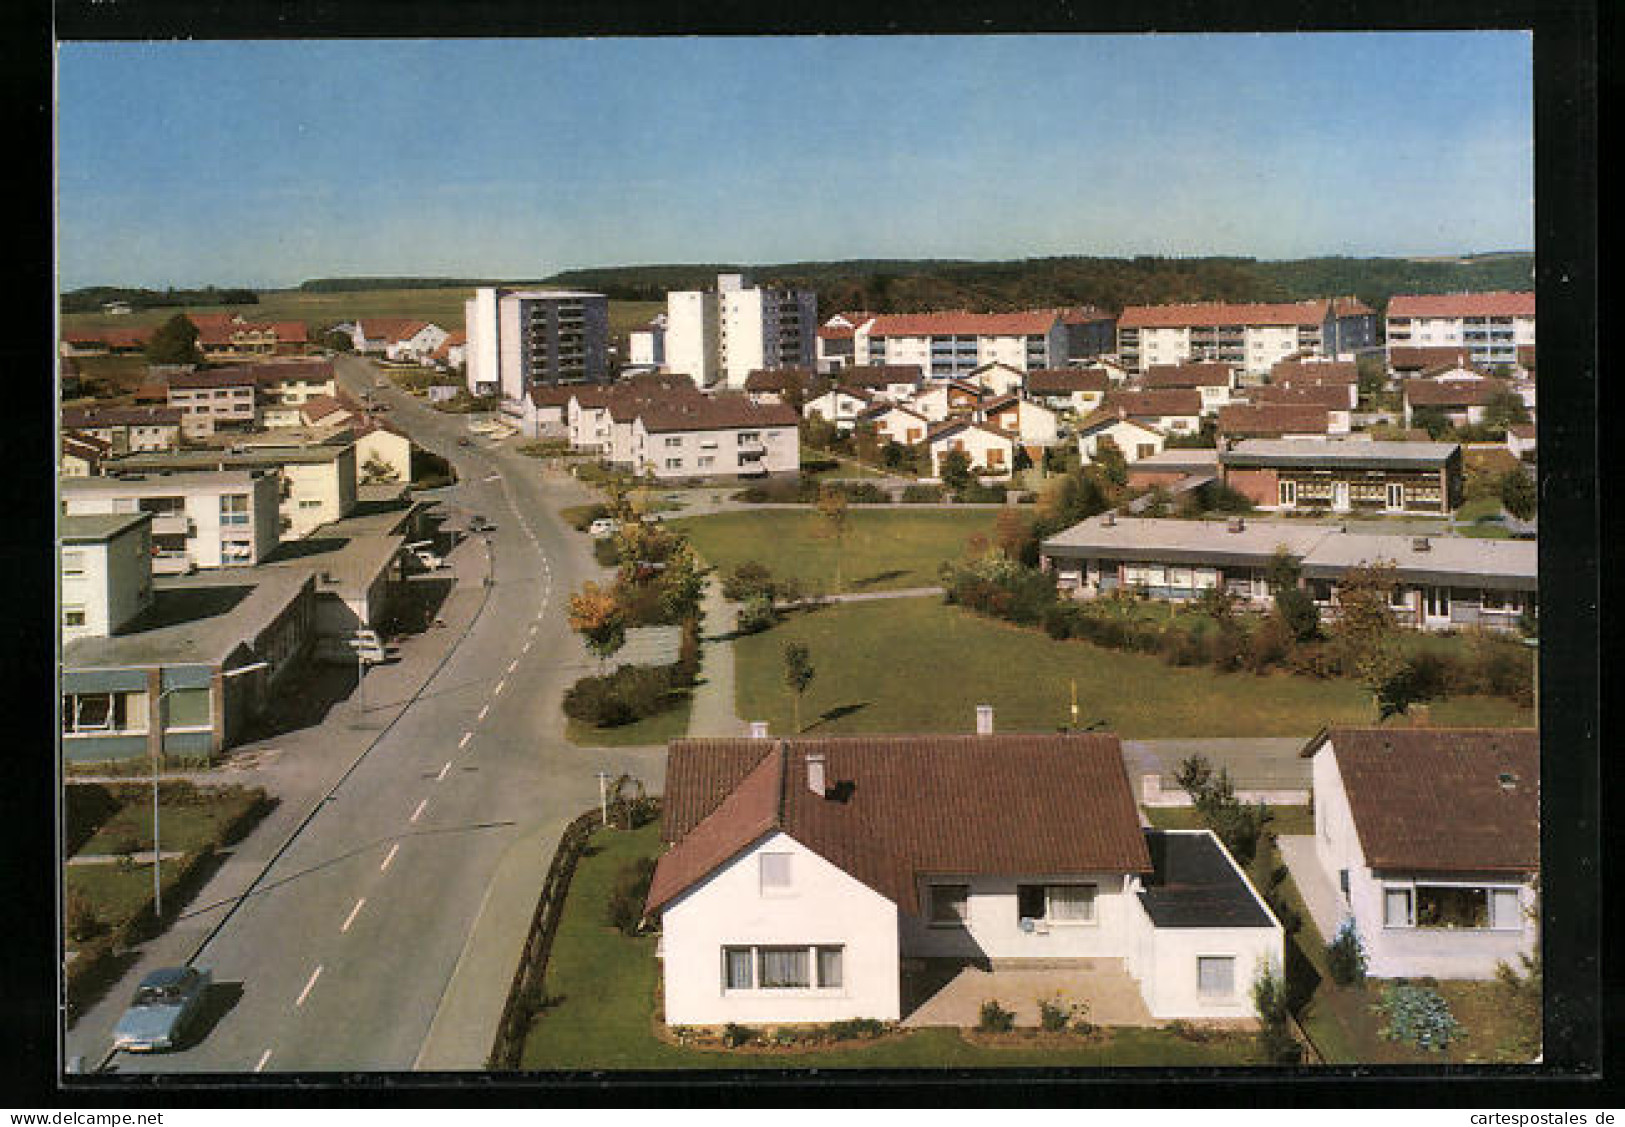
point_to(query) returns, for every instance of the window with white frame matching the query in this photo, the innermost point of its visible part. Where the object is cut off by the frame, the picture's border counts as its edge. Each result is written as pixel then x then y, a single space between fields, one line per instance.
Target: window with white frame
pixel 73 563
pixel 1215 976
pixel 73 615
pixel 950 905
pixel 1396 907
pixel 1056 903
pixel 783 967
pixel 775 873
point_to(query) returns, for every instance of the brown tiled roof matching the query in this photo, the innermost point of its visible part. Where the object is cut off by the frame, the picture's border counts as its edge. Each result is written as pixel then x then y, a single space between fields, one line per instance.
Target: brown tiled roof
pixel 212 377
pixel 1451 393
pixel 320 371
pixel 319 407
pixel 152 391
pixel 1064 381
pixel 1186 375
pixel 552 395
pixel 722 412
pixel 1162 401
pixel 1413 358
pixel 1220 313
pixel 390 329
pixel 112 338
pixel 879 375
pixel 1342 372
pixel 1499 304
pixel 954 426
pixel 882 409
pixel 1272 420
pixel 1331 397
pixel 1350 307
pixel 781 379
pixel 901 807
pixel 1433 799
pixel 962 323
pixel 86 446
pixel 90 418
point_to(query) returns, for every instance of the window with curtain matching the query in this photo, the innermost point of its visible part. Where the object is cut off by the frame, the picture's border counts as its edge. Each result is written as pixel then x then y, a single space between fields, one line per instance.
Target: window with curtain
pixel 775 872
pixel 783 967
pixel 1072 903
pixel 736 968
pixel 829 967
pixel 1396 907
pixel 1215 976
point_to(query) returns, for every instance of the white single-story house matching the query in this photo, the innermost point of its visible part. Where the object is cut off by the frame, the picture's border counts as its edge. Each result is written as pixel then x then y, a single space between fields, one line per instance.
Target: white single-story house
pixel 992 452
pixel 1030 423
pixel 1431 837
pixel 804 876
pixel 896 423
pixel 839 405
pixel 1133 440
pixel 942 398
pixel 998 378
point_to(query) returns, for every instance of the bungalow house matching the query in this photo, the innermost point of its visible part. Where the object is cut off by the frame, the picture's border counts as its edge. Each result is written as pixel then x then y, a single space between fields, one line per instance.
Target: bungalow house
pixel 1394 477
pixel 1133 440
pixel 1331 398
pixel 1170 410
pixel 804 879
pixel 1031 423
pixel 992 452
pixel 1309 373
pixel 1211 380
pixel 127 429
pixel 895 382
pixel 839 405
pixel 1273 420
pixel 997 378
pixel 1068 389
pixel 784 385
pixel 1428 839
pixel 894 422
pixel 1441 583
pixel 1462 402
pixel 944 399
pixel 82 454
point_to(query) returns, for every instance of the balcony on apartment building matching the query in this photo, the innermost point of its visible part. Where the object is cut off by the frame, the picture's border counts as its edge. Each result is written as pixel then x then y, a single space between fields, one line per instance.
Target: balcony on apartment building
pixel 172 523
pixel 171 561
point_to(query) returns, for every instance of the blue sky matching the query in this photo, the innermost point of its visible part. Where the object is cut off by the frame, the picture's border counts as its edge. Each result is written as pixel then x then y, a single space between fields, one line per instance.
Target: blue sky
pixel 268 163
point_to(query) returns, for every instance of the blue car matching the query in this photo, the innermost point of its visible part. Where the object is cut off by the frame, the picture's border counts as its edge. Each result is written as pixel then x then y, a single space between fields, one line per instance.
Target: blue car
pixel 165 1005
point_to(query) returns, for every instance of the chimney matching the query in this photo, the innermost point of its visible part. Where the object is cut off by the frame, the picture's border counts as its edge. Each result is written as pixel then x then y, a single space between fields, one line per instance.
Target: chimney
pixel 758 729
pixel 984 720
pixel 815 774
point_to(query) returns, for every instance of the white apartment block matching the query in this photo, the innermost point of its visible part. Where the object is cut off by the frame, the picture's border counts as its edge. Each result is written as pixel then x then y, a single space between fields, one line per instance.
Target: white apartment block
pixel 127 430
pixel 1491 326
pixel 724 436
pixel 225 518
pixel 646 347
pixel 519 339
pixel 949 345
pixel 721 336
pixel 1250 337
pixel 105 565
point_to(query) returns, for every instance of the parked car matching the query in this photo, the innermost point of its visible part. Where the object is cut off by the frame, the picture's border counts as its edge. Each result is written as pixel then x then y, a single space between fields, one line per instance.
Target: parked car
pixel 464 440
pixel 603 528
pixel 478 523
pixel 165 1006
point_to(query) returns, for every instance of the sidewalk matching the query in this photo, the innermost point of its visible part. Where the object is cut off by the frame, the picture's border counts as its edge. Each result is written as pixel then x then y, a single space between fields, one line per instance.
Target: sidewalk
pixel 712 712
pixel 865 597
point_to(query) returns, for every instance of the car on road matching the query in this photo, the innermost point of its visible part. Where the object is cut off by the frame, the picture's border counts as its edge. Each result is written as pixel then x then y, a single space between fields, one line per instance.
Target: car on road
pixel 603 527
pixel 166 1005
pixel 478 523
pixel 464 440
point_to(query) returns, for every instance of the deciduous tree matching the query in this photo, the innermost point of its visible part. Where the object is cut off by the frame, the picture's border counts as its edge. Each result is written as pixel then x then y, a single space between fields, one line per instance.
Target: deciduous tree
pixel 798 674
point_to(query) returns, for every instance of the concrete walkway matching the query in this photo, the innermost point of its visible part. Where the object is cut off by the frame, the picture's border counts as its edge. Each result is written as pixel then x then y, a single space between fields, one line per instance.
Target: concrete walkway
pixel 1104 986
pixel 713 710
pixel 1315 885
pixel 865 597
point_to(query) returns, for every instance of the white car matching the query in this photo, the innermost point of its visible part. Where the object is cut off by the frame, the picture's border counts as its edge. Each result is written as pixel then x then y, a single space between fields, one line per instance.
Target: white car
pixel 603 527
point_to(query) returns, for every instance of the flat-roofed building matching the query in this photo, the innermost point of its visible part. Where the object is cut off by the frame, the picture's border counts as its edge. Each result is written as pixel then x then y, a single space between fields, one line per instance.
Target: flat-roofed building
pixel 721 336
pixel 1490 326
pixel 199 520
pixel 1344 476
pixel 105 568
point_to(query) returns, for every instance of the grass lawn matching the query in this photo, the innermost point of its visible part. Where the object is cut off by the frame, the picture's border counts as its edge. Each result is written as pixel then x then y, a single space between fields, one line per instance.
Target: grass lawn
pixel 182 827
pixel 117 893
pixel 657 729
pixel 606 987
pixel 916 665
pixel 882 549
pixel 1479 508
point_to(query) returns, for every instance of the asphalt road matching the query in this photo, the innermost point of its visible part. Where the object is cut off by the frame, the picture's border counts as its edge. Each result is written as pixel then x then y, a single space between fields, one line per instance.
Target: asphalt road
pixel 339 959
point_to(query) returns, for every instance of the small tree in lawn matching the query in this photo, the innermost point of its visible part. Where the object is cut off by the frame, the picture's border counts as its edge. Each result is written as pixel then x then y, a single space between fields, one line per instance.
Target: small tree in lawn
pixel 1110 462
pixel 832 521
pixel 1518 493
pixel 1011 531
pixel 597 617
pixel 798 674
pixel 1365 617
pixel 1293 606
pixel 376 471
pixel 954 469
pixel 682 584
pixel 174 342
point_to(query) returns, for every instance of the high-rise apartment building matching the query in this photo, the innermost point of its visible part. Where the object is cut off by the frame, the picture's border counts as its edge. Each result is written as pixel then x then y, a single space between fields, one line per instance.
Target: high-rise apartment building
pixel 520 339
pixel 722 336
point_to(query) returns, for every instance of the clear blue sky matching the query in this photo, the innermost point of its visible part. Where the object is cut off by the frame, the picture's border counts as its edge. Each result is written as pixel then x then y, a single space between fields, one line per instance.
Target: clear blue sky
pixel 268 163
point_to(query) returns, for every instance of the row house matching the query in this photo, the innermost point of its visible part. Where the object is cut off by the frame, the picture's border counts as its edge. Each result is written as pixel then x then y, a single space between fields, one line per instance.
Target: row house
pixel 1490 326
pixel 1251 337
pixel 1295 374
pixel 225 518
pixel 127 430
pixel 230 336
pixel 211 399
pixel 1329 397
pixel 948 345
pixel 716 436
pixel 1212 381
pixel 785 385
pixel 1423 478
pixel 1079 390
pixel 1441 583
pixel 1273 420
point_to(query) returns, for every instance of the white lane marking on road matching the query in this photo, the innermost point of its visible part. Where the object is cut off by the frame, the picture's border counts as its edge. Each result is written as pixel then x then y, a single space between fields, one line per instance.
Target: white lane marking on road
pixel 526 648
pixel 265 1056
pixel 394 849
pixel 502 684
pixel 512 665
pixel 441 777
pixel 416 814
pixel 303 994
pixel 494 477
pixel 462 743
pixel 485 711
pixel 350 919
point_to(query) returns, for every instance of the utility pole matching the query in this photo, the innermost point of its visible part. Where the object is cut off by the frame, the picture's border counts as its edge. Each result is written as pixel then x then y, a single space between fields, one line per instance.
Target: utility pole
pixel 603 797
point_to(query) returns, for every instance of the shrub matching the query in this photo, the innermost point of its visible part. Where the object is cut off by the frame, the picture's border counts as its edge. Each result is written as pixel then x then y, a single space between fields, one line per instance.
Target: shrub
pixel 1418 1016
pixel 606 552
pixel 1054 1017
pixel 994 1018
pixel 687 669
pixel 855 1029
pixel 749 578
pixel 922 494
pixel 1345 956
pixel 757 614
pixel 626 898
pixel 975 493
pixel 735 1035
pixel 1268 645
pixel 1297 611
pixel 630 693
pixel 1061 620
pixel 1275 1038
pixel 1182 647
pixel 81 918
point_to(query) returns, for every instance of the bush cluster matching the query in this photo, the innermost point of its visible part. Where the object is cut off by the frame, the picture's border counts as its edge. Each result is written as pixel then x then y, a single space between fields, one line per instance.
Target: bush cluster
pixel 1418 1016
pixel 922 494
pixel 1345 956
pixel 629 694
pixel 975 493
pixel 994 1018
pixel 624 912
pixel 1001 588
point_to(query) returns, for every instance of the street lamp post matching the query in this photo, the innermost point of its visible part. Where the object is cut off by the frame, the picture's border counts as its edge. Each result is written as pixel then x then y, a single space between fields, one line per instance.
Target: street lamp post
pixel 603 798
pixel 162 721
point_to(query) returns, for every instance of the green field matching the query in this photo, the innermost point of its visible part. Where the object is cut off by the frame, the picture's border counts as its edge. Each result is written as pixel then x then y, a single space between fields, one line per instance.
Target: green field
pixel 916 665
pixel 606 986
pixel 671 724
pixel 883 549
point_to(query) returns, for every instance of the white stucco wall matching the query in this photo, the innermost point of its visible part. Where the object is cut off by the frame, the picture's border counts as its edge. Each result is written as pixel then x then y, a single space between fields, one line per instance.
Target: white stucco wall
pixel 1168 979
pixel 993 930
pixel 1127 436
pixel 823 907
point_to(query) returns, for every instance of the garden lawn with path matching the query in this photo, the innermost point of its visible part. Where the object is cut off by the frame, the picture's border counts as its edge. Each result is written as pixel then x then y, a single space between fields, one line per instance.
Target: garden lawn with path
pixel 918 665
pixel 883 549
pixel 670 724
pixel 604 987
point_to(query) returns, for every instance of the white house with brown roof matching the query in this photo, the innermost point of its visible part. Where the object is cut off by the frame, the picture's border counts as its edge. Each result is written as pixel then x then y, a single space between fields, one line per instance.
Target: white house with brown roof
pixel 998 378
pixel 941 399
pixel 992 452
pixel 804 876
pixel 1069 389
pixel 1212 381
pixel 127 429
pixel 839 405
pixel 1429 840
pixel 1170 410
pixel 1030 423
pixel 894 422
pixel 1133 440
pixel 721 436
